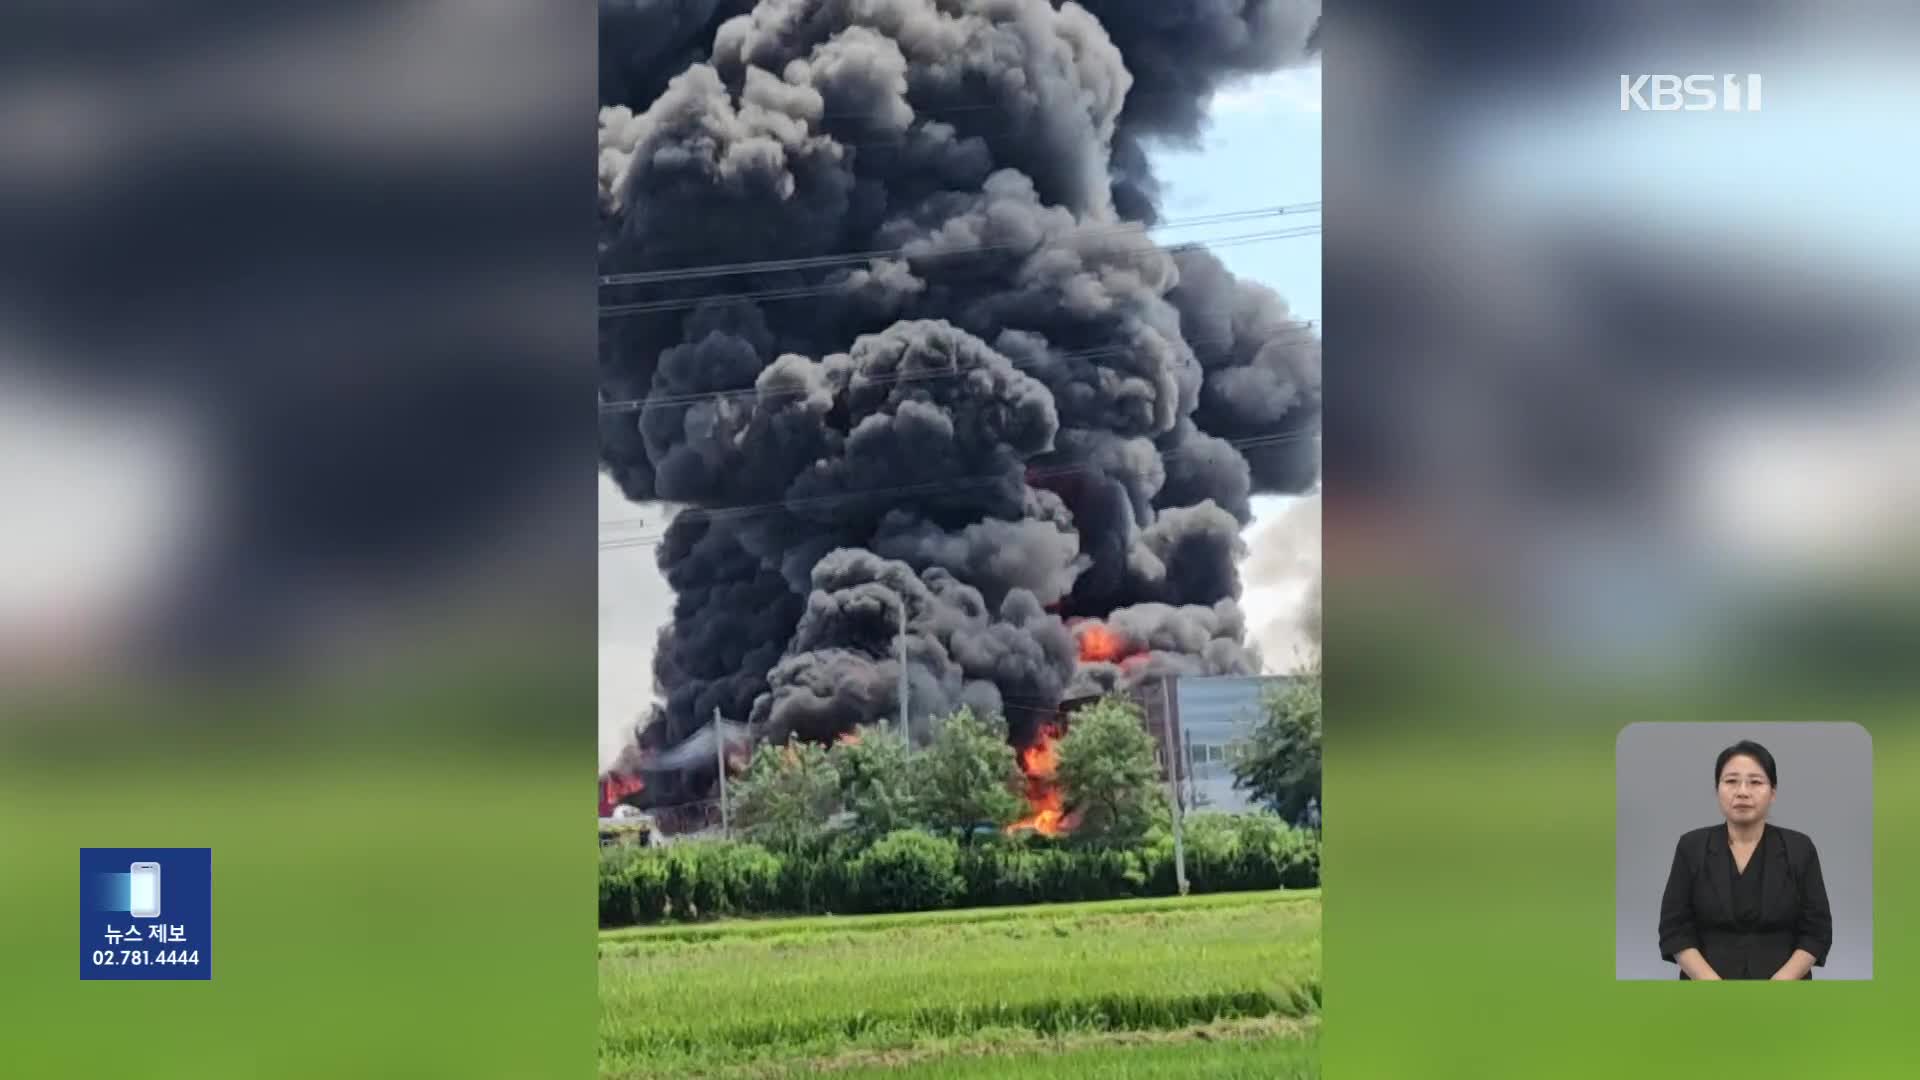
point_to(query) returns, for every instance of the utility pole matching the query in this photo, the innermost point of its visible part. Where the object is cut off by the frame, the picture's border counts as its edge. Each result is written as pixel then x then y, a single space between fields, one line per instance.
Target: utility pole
pixel 1186 762
pixel 905 733
pixel 1173 781
pixel 720 755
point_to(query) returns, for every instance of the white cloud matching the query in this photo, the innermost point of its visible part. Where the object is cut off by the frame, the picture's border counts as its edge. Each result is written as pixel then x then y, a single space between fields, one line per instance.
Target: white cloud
pixel 635 603
pixel 1282 567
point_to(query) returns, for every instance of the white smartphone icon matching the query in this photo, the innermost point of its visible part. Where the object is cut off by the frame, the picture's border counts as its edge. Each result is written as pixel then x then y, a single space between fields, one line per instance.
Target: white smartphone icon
pixel 144 893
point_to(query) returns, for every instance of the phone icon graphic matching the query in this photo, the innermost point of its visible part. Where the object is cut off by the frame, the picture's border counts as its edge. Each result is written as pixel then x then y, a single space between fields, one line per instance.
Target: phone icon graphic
pixel 144 890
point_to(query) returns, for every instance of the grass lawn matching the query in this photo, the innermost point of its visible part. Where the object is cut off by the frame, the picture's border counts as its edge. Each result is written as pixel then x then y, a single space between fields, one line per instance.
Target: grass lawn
pixel 1222 985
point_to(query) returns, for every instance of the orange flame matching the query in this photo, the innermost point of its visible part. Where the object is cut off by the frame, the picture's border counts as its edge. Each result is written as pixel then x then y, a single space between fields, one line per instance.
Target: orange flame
pixel 1040 762
pixel 1097 643
pixel 615 787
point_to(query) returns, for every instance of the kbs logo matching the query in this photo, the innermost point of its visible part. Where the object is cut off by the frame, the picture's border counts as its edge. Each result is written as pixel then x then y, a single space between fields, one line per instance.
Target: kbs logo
pixel 1692 93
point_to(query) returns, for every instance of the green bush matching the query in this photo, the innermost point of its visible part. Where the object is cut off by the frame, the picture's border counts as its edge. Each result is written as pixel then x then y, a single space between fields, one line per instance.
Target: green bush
pixel 910 871
pixel 633 886
pixel 1001 874
pixel 647 885
pixel 1227 853
pixel 617 906
pixel 819 883
pixel 738 879
pixel 685 867
pixel 1044 871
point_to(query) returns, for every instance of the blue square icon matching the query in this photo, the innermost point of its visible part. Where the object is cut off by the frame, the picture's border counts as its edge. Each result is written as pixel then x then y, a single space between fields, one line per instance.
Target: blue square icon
pixel 146 913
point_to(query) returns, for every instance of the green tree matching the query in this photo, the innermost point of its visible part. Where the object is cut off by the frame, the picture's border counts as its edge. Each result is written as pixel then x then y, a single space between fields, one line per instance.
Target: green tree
pixel 786 795
pixel 968 776
pixel 877 781
pixel 1107 772
pixel 1279 764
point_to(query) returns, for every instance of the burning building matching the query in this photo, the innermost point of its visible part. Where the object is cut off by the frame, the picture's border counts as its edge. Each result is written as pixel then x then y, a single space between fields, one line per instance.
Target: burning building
pixel 882 318
pixel 1049 814
pixel 616 788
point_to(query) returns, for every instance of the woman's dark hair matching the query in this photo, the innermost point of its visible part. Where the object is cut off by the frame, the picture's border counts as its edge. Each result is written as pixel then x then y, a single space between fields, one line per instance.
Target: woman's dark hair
pixel 1747 748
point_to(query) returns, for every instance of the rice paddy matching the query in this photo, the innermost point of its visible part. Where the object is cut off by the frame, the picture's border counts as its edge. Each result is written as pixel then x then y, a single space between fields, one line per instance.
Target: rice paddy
pixel 1222 985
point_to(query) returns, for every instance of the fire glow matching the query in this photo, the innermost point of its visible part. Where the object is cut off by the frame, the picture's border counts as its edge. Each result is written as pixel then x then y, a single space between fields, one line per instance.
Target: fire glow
pixel 1040 762
pixel 1102 644
pixel 1099 644
pixel 615 787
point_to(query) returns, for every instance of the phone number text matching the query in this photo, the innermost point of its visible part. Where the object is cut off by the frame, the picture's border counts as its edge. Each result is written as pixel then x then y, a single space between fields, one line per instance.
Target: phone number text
pixel 140 957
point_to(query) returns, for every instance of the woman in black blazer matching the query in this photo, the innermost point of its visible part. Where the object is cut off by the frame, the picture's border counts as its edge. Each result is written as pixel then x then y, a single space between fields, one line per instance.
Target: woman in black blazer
pixel 1745 900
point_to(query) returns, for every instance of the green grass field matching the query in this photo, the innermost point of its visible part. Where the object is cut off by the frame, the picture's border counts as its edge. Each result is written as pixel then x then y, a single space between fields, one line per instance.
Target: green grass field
pixel 1216 986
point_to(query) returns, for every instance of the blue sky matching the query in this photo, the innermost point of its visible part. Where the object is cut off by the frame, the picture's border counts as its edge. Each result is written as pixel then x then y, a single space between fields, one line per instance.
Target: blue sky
pixel 1262 149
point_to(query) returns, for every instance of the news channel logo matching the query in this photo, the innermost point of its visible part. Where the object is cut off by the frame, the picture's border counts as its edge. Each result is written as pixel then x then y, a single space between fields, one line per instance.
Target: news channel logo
pixel 1691 93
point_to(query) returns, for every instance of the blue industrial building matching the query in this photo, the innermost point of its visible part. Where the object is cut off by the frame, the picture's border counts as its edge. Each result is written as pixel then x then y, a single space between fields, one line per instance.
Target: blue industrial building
pixel 1212 714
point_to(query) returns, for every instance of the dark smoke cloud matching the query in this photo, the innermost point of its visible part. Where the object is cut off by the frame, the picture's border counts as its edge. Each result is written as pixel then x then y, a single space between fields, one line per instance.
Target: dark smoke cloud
pixel 1262 372
pixel 1018 414
pixel 960 652
pixel 1039 553
pixel 1180 53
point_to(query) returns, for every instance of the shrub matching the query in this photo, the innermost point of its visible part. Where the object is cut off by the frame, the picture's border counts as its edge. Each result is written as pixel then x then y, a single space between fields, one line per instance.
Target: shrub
pixel 737 879
pixel 1249 851
pixel 647 885
pixel 1213 852
pixel 820 882
pixel 1001 874
pixel 682 874
pixel 617 901
pixel 910 871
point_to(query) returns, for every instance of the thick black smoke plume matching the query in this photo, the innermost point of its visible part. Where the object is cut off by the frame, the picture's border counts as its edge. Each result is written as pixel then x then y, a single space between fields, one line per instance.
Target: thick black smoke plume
pixel 1007 413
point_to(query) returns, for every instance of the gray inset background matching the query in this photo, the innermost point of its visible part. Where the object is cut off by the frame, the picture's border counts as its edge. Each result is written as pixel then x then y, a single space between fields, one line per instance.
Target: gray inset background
pixel 1663 775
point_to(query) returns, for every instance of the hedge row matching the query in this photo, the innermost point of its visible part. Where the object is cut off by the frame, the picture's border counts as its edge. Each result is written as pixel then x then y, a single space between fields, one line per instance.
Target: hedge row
pixel 917 871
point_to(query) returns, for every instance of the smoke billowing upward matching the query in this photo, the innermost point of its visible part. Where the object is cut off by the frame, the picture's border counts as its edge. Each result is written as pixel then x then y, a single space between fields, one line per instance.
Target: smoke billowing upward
pixel 884 320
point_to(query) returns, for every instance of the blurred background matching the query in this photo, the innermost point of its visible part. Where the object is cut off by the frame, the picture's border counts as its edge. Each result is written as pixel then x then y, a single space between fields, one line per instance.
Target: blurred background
pixel 296 363
pixel 1621 427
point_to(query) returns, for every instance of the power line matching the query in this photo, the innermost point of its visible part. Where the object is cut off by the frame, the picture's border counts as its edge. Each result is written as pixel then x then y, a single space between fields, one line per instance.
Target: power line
pixel 1033 473
pixel 1133 95
pixel 794 292
pixel 648 277
pixel 799 292
pixel 661 401
pixel 1044 472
